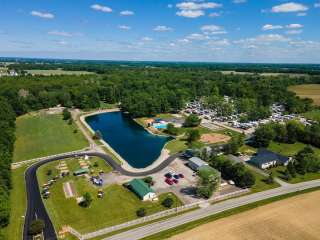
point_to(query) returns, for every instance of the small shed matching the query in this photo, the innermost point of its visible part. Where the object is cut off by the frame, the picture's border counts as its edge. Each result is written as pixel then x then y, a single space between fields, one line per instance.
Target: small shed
pixel 81 172
pixel 142 190
pixel 195 163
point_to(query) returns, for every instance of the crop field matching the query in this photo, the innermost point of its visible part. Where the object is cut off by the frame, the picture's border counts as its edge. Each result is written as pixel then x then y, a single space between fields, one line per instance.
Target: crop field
pixel 311 91
pixel 41 134
pixel 294 218
pixel 57 72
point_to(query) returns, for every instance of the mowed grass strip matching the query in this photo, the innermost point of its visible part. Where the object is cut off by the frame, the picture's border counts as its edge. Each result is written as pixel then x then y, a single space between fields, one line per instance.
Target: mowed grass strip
pixel 41 134
pixel 18 203
pixel 311 91
pixel 119 205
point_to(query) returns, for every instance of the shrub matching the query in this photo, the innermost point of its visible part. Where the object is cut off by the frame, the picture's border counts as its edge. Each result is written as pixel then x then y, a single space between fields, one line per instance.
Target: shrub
pixel 167 202
pixel 36 226
pixel 141 212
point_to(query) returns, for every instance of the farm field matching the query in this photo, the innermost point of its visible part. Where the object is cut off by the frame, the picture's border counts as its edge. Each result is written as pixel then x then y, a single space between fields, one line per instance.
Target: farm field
pixel 118 205
pixel 311 91
pixel 57 72
pixel 40 134
pixel 300 215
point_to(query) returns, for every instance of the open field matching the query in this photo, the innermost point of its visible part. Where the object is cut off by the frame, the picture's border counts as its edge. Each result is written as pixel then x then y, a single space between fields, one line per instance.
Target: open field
pixel 18 206
pixel 264 74
pixel 294 218
pixel 311 91
pixel 118 205
pixel 279 172
pixel 57 72
pixel 41 134
pixel 289 149
pixel 313 115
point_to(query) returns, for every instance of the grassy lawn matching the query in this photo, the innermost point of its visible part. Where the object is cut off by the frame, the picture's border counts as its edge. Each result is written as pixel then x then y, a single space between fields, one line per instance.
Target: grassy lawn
pixel 171 232
pixel 311 91
pixel 245 149
pixel 289 149
pixel 18 206
pixel 40 134
pixel 279 172
pixel 312 115
pixel 57 72
pixel 260 184
pixel 118 205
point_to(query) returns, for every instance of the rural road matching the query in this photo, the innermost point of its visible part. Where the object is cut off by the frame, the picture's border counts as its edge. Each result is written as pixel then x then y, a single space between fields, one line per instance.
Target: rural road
pixel 157 227
pixel 35 206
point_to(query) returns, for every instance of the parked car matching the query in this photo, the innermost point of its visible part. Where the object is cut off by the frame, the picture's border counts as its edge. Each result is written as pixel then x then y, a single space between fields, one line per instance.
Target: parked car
pixel 168 175
pixel 176 176
pixel 175 181
pixel 168 181
pixel 181 175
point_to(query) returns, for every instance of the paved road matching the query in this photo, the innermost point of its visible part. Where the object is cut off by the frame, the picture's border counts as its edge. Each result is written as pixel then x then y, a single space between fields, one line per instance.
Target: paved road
pixel 157 227
pixel 35 206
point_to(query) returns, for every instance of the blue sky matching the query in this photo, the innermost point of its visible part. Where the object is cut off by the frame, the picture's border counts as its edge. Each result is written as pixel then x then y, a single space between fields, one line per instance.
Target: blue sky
pixel 163 30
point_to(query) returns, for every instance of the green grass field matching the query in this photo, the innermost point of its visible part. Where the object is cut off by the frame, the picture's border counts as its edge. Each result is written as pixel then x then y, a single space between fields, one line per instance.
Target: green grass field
pixel 311 91
pixel 279 172
pixel 118 205
pixel 18 206
pixel 40 134
pixel 57 72
pixel 289 149
pixel 312 115
pixel 260 184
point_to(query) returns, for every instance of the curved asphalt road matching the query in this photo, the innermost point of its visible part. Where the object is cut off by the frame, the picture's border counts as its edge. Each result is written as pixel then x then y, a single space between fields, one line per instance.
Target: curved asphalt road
pixel 35 206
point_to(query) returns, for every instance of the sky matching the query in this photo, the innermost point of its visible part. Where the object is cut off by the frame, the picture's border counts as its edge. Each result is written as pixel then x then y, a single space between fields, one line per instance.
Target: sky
pixel 258 31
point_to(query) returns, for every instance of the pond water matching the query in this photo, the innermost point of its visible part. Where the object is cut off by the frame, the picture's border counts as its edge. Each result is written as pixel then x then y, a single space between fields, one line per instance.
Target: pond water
pixel 130 140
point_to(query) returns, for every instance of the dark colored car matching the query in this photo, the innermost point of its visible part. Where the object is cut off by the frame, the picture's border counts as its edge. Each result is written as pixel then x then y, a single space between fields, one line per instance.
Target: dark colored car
pixel 176 176
pixel 169 181
pixel 181 175
pixel 168 175
pixel 175 181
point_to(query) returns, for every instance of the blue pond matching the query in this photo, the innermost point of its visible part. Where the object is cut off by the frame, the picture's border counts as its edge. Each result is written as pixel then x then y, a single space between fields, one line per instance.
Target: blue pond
pixel 131 141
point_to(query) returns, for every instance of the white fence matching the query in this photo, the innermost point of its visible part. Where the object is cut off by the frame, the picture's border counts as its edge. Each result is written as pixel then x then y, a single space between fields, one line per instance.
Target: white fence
pixel 153 216
pixel 19 164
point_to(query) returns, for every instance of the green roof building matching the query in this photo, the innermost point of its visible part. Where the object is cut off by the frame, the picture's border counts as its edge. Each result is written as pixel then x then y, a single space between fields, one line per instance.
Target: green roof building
pixel 142 190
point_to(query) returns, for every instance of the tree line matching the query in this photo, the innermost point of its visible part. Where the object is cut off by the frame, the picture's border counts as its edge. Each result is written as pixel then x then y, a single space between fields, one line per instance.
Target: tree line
pixel 7 138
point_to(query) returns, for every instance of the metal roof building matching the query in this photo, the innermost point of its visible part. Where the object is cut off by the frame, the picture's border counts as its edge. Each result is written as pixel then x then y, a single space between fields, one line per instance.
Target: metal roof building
pixel 142 190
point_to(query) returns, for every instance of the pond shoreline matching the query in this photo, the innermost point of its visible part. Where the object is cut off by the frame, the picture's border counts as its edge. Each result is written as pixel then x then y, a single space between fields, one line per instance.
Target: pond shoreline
pixel 164 154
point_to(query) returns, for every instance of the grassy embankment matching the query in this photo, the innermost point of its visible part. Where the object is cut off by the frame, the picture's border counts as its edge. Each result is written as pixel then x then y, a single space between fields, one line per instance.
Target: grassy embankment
pixel 18 206
pixel 118 205
pixel 171 232
pixel 41 134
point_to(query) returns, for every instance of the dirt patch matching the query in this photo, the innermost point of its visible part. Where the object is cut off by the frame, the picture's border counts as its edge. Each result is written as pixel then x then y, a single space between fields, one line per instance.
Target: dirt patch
pixel 296 218
pixel 69 190
pixel 211 138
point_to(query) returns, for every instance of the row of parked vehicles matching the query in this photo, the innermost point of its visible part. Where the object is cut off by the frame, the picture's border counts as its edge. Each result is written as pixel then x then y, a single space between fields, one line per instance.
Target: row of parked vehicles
pixel 173 178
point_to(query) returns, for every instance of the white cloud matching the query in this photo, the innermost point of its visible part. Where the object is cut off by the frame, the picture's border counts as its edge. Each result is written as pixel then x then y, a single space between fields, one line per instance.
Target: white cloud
pixel 190 13
pixel 60 33
pixel 301 14
pixel 62 43
pixel 294 25
pixel 222 42
pixel 124 27
pixel 146 39
pixel 45 15
pixel 101 8
pixel 215 14
pixel 197 36
pixel 263 39
pixel 197 6
pixel 126 13
pixel 212 30
pixel 293 32
pixel 271 27
pixel 170 6
pixel 239 1
pixel 184 40
pixel 162 28
pixel 317 5
pixel 289 7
